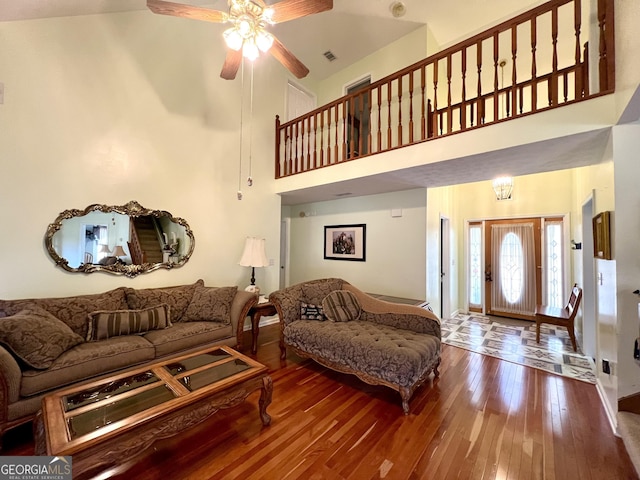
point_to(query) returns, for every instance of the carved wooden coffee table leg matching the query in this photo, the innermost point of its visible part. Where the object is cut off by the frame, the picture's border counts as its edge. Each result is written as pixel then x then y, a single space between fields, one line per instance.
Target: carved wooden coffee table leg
pixel 265 399
pixel 39 434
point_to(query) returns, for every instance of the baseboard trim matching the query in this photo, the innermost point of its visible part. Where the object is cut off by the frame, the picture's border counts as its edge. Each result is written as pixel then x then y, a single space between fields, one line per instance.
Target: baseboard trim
pixel 611 415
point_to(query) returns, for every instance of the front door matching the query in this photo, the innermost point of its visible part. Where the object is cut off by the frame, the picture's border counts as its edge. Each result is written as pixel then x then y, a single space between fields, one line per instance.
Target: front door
pixel 513 272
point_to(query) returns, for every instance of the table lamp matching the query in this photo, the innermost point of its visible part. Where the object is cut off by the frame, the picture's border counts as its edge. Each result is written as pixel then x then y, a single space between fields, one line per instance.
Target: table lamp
pixel 254 255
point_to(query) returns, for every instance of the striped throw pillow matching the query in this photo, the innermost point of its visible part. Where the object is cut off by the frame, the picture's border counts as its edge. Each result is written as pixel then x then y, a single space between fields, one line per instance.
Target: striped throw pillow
pixel 105 324
pixel 341 306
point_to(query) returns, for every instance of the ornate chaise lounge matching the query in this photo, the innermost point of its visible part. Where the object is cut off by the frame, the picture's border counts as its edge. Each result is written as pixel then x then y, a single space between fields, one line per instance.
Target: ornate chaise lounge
pixel 343 328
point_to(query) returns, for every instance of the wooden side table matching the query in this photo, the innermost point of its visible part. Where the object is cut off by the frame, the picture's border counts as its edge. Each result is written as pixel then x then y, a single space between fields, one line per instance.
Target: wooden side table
pixel 263 309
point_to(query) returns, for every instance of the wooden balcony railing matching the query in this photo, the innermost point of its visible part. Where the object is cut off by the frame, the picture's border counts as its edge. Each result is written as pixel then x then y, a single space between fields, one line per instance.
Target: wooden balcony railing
pixel 530 63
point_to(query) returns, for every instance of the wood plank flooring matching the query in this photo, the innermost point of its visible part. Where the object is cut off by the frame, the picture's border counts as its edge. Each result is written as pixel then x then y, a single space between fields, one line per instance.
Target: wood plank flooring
pixel 482 419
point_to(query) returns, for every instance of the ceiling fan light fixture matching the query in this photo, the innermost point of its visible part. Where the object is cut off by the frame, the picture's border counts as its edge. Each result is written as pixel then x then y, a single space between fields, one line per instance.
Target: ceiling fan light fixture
pixel 250 49
pixel 233 39
pixel 264 40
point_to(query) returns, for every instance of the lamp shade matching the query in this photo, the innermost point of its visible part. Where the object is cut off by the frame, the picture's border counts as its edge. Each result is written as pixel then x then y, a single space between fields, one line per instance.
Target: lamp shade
pixel 119 251
pixel 254 254
pixel 104 249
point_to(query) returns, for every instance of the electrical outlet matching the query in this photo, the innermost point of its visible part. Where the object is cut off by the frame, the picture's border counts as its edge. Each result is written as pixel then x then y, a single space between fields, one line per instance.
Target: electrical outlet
pixel 1 93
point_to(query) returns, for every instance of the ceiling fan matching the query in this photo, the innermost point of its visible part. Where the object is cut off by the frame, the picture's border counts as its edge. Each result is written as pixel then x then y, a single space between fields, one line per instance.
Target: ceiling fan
pixel 248 34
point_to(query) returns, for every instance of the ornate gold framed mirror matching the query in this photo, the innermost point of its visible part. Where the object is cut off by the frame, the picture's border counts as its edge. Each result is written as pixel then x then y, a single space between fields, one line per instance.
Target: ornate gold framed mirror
pixel 119 239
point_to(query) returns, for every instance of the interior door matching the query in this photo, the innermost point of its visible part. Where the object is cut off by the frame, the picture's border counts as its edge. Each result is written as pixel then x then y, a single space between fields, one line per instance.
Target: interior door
pixel 513 267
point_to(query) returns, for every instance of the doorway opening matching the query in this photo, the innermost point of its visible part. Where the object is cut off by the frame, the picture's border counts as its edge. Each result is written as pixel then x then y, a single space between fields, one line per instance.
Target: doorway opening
pixel 358 118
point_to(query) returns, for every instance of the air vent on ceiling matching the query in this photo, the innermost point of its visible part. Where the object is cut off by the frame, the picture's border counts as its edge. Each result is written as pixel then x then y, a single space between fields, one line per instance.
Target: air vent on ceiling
pixel 329 55
pixel 343 194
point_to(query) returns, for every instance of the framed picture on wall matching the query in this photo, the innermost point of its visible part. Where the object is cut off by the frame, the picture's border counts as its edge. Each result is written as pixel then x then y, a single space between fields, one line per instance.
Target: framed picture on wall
pixel 602 236
pixel 345 242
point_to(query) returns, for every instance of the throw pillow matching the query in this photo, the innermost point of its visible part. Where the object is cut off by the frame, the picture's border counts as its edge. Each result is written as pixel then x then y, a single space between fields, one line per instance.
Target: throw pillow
pixel 211 304
pixel 341 306
pixel 106 324
pixel 178 298
pixel 36 337
pixel 311 312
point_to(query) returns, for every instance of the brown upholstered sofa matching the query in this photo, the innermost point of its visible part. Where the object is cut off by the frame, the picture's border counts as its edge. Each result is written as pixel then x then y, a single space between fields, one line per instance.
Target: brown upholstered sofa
pixel 382 343
pixel 48 343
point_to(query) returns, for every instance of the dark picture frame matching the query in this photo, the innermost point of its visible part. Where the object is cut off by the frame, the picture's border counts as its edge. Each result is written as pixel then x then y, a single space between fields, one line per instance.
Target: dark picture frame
pixel 602 236
pixel 345 242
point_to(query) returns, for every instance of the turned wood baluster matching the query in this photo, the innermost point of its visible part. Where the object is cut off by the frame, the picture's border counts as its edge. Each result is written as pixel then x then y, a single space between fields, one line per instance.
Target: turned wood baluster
pixel 514 76
pixel 345 126
pixel 399 144
pixel 321 139
pixel 449 110
pixel 606 64
pixel 311 144
pixel 369 138
pixel 389 115
pixel 297 162
pixel 429 119
pixel 435 97
pixel 290 144
pixel 480 100
pixel 315 140
pixel 585 70
pixel 553 79
pixel 361 122
pixel 423 126
pixel 336 157
pixel 496 91
pixel 410 108
pixel 577 20
pixel 534 73
pixel 379 118
pixel 351 127
pixel 303 134
pixel 463 105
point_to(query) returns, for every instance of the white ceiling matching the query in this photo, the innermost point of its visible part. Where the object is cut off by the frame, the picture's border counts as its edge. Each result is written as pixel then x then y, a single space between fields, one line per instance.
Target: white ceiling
pixel 352 30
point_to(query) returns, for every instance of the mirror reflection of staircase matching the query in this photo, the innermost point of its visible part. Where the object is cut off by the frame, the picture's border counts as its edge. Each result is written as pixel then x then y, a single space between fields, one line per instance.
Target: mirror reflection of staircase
pixel 146 244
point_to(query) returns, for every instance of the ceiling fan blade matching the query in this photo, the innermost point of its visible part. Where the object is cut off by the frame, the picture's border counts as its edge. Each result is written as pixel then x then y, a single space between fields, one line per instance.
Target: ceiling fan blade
pixel 186 11
pixel 288 59
pixel 231 64
pixel 286 10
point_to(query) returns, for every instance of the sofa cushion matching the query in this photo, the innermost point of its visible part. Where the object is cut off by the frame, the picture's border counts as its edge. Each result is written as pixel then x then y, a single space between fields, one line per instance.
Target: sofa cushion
pixel 397 356
pixel 88 360
pixel 341 306
pixel 71 310
pixel 178 298
pixel 112 323
pixel 311 312
pixel 185 335
pixel 36 337
pixel 210 304
pixel 315 292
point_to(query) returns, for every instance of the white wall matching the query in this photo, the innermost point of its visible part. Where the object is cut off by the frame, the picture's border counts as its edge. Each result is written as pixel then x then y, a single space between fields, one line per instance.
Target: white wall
pixel 395 253
pixel 130 106
pixel 403 52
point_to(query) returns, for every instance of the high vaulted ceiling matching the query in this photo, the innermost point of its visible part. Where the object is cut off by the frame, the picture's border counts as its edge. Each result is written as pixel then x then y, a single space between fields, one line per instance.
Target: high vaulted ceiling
pixel 351 31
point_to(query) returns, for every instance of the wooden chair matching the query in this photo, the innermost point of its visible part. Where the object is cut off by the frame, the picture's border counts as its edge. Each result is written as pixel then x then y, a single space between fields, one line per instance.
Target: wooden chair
pixel 563 317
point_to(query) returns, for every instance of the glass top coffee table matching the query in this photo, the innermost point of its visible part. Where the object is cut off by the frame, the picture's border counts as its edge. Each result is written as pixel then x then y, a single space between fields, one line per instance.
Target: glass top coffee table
pixel 114 418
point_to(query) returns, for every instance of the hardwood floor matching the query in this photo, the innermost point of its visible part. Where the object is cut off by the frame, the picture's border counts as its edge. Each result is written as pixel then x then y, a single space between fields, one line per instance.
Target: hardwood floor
pixel 482 419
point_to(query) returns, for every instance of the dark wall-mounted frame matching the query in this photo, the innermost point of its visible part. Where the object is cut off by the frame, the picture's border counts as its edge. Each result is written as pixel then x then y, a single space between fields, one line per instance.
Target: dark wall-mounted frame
pixel 345 242
pixel 602 236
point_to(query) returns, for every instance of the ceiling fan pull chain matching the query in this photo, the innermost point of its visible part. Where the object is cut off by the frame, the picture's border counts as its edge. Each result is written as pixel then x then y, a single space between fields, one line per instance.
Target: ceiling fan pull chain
pixel 250 178
pixel 241 109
